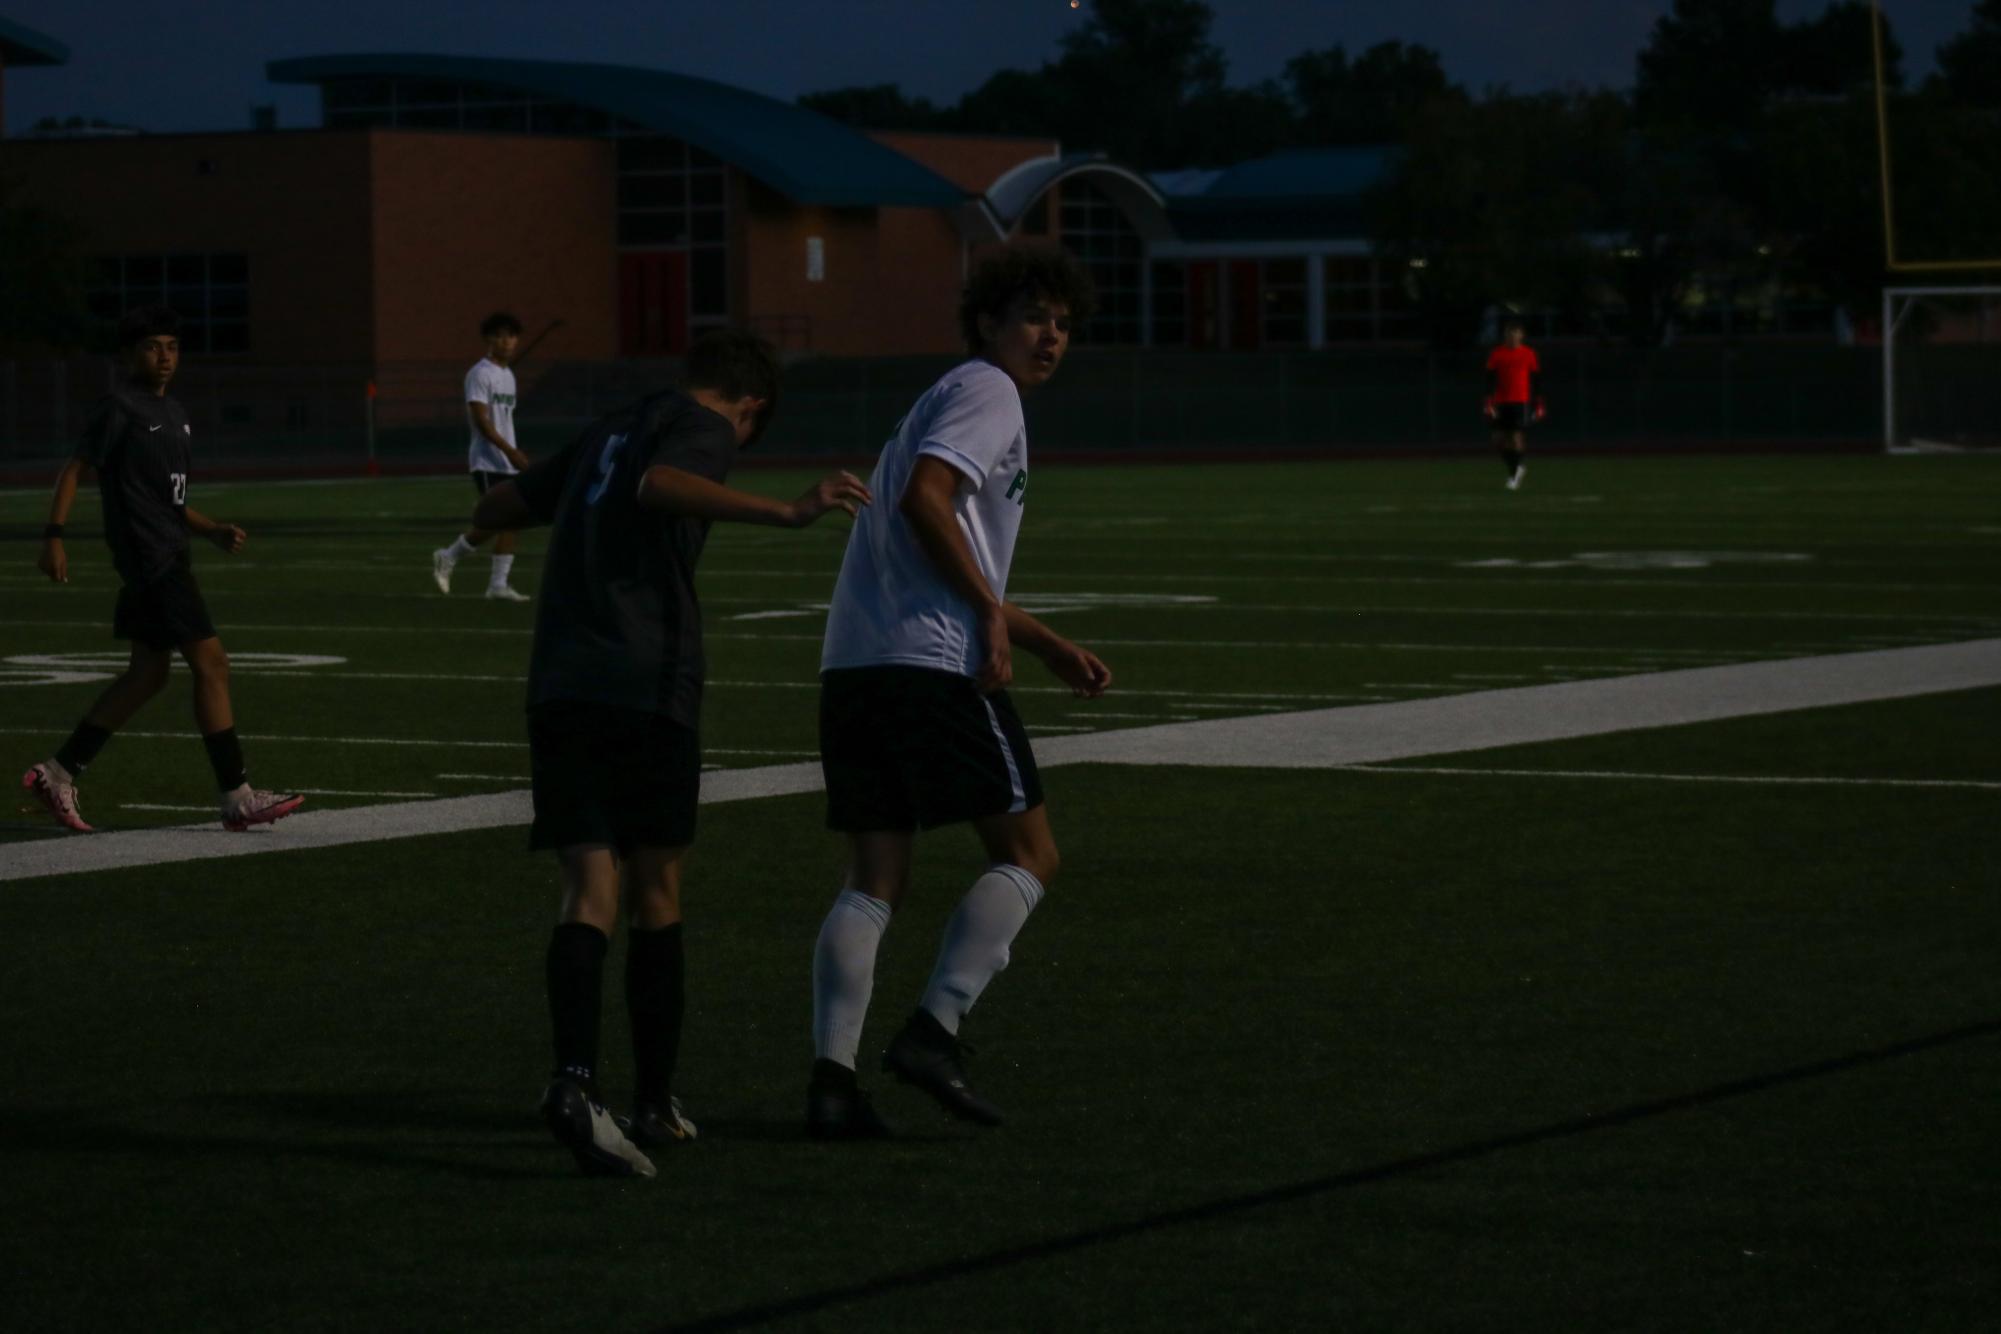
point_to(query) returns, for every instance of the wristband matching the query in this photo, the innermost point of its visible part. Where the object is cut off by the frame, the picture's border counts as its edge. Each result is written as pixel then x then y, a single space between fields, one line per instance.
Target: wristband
pixel 54 530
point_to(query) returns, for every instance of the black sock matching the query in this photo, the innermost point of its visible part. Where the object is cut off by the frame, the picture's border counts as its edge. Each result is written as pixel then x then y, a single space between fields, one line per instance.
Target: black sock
pixel 82 747
pixel 1513 459
pixel 225 756
pixel 655 998
pixel 575 970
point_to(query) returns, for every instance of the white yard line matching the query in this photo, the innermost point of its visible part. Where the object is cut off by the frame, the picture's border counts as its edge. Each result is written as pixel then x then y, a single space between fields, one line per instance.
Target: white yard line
pixel 1620 774
pixel 353 792
pixel 1320 739
pixel 258 738
pixel 235 628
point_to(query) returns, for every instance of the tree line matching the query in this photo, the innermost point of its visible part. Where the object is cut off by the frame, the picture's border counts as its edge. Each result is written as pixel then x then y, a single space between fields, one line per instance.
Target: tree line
pixel 1744 154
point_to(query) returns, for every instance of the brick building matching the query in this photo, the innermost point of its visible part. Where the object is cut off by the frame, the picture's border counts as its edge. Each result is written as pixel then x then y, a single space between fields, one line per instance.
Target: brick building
pixel 626 209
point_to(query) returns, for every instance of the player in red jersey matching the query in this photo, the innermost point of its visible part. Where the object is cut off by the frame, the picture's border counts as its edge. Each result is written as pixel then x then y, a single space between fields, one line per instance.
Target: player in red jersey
pixel 1512 398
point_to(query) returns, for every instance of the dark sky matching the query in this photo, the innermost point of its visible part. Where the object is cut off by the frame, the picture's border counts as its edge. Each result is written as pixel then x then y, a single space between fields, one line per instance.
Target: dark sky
pixel 201 66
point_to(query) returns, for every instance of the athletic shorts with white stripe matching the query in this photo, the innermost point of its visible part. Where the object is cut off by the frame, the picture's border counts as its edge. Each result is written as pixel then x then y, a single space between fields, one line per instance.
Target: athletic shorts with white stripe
pixel 908 748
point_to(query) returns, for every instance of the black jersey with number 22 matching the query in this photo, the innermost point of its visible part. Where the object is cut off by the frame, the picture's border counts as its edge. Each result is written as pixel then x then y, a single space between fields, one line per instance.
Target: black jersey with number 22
pixel 139 444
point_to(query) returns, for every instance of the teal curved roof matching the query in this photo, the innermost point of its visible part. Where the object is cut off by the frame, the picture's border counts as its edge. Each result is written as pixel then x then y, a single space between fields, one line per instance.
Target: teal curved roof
pixel 803 155
pixel 24 46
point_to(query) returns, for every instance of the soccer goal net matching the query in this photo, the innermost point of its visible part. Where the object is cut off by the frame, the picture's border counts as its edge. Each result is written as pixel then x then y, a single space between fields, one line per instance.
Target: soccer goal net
pixel 1941 369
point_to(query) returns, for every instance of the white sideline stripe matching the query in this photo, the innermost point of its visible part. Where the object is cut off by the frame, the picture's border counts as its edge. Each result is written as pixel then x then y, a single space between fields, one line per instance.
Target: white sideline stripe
pixel 1485 719
pixel 76 853
pixel 1755 779
pixel 1317 739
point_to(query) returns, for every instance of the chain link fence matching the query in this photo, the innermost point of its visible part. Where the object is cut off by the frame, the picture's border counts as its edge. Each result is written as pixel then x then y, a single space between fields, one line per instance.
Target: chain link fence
pixel 410 415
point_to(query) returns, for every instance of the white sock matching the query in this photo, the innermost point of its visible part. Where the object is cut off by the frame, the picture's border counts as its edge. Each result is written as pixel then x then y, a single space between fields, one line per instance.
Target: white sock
pixel 844 973
pixel 459 549
pixel 501 565
pixel 976 941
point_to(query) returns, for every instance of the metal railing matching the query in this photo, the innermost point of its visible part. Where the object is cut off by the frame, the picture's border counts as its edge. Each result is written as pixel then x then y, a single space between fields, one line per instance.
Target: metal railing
pixel 310 418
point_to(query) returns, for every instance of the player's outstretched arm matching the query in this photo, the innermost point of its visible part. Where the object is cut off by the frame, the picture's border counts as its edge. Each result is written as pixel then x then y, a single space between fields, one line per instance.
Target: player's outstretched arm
pixel 54 561
pixel 1073 664
pixel 225 535
pixel 676 491
pixel 927 505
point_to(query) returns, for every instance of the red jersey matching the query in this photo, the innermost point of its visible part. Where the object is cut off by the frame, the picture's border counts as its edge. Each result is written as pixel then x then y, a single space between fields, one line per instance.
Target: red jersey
pixel 1512 367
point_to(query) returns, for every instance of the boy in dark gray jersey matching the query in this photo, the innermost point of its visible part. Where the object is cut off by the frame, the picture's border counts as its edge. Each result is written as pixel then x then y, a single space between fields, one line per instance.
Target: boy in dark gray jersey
pixel 138 446
pixel 614 699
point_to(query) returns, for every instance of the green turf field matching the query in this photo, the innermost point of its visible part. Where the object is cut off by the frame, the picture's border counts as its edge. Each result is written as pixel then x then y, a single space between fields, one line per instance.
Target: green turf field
pixel 1572 1035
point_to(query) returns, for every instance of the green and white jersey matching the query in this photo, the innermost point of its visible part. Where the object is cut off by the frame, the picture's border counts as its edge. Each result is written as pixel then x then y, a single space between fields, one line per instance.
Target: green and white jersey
pixel 494 386
pixel 890 603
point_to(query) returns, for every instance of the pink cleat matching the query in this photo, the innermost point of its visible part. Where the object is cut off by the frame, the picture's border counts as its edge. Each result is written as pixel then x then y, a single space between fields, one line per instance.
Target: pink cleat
pixel 56 790
pixel 247 806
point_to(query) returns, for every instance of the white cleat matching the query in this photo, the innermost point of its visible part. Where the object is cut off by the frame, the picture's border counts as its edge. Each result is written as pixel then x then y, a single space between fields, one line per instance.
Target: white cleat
pixel 581 1124
pixel 441 569
pixel 246 806
pixel 503 593
pixel 52 785
pixel 1515 477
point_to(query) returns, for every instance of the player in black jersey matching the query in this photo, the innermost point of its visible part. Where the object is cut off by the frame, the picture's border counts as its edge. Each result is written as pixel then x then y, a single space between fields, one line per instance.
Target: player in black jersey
pixel 614 700
pixel 138 446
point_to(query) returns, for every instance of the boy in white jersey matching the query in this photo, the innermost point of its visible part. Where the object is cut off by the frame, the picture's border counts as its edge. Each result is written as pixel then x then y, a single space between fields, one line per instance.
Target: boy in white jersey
pixel 492 456
pixel 916 730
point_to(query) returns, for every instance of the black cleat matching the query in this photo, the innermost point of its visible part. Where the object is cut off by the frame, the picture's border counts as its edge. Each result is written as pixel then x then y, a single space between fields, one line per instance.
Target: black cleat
pixel 581 1124
pixel 837 1109
pixel 925 1055
pixel 654 1123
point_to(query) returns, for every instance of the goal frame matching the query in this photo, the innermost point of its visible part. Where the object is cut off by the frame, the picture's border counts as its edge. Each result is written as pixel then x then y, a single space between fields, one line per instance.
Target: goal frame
pixel 1899 302
pixel 1893 261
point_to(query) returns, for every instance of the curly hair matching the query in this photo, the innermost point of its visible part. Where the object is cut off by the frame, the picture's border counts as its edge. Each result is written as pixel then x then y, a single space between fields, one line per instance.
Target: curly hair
pixel 500 322
pixel 1024 270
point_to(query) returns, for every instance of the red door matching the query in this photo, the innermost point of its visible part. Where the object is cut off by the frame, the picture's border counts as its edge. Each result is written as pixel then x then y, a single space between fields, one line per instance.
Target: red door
pixel 653 303
pixel 1204 329
pixel 1246 306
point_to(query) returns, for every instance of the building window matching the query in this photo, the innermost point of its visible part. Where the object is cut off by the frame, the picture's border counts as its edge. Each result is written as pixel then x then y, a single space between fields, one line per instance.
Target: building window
pixel 1094 230
pixel 672 195
pixel 210 292
pixel 1282 301
pixel 442 104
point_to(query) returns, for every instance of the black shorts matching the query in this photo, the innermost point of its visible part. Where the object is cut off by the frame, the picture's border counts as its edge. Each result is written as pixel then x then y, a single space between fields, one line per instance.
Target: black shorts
pixel 163 614
pixel 484 482
pixel 618 777
pixel 1512 417
pixel 907 748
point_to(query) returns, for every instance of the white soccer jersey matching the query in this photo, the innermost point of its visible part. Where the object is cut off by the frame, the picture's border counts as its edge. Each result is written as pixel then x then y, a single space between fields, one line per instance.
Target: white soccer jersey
pixel 890 603
pixel 494 386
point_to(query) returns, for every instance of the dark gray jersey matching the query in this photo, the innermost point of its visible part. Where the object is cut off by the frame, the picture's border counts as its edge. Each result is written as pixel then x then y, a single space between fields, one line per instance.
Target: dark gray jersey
pixel 139 444
pixel 617 622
